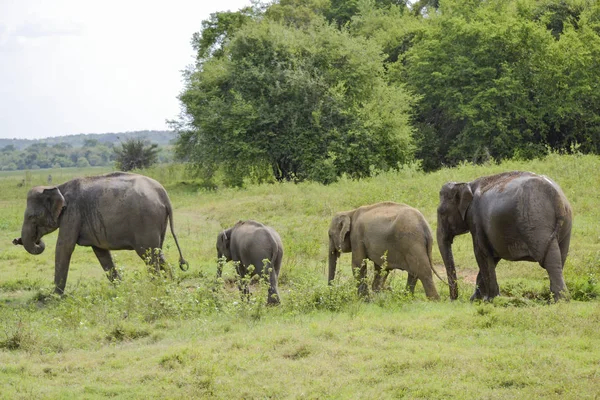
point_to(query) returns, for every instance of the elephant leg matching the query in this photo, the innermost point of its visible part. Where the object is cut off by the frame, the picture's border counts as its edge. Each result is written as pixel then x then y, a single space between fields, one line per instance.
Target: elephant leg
pixel 363 288
pixel 243 284
pixel 163 264
pixel 554 267
pixel 487 269
pixel 420 267
pixel 359 269
pixel 107 263
pixel 411 282
pixel 429 286
pixel 384 278
pixel 65 245
pixel 147 254
pixel 243 288
pixel 379 278
pixel 479 288
pixel 564 249
pixel 273 296
pixel 154 257
pixel 361 277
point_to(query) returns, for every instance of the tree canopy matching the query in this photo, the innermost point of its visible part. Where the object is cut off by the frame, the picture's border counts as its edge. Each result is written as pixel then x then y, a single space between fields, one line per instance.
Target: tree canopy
pixel 314 89
pixel 308 103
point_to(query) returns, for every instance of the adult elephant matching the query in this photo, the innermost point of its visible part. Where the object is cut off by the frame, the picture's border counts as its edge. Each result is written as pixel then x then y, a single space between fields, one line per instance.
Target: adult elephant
pixel 252 243
pixel 116 211
pixel 515 216
pixel 389 234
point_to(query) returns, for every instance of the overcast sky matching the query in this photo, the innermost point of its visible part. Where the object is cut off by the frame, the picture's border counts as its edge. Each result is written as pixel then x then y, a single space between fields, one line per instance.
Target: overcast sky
pixel 95 66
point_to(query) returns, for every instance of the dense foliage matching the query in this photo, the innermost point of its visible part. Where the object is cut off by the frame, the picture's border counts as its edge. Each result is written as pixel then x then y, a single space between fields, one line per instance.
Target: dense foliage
pixel 506 79
pixel 313 89
pixel 135 154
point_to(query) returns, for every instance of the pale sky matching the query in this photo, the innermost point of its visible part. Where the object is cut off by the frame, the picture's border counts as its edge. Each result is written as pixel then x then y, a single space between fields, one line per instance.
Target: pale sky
pixel 95 66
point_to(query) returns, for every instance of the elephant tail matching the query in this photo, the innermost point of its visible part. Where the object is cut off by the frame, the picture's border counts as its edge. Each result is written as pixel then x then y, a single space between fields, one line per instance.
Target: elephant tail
pixel 182 261
pixel 428 247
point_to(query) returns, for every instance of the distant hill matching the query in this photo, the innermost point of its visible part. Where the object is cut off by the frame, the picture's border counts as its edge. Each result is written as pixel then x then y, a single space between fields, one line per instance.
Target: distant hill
pixel 83 150
pixel 159 137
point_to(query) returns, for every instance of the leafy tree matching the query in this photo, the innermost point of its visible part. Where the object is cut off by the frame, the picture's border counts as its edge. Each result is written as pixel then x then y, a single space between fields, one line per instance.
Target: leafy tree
pixel 135 154
pixel 392 28
pixel 476 71
pixel 217 31
pixel 82 162
pixel 307 103
pixel 341 12
pixel 90 142
pixel 505 79
pixel 94 160
pixel 570 82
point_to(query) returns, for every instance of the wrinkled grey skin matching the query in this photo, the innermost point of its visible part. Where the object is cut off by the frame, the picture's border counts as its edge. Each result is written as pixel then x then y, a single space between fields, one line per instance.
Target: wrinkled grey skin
pixel 117 211
pixel 515 216
pixel 371 231
pixel 250 243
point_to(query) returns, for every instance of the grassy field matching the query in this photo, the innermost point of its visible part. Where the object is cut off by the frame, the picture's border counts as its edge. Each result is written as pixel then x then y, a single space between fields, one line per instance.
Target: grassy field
pixel 192 337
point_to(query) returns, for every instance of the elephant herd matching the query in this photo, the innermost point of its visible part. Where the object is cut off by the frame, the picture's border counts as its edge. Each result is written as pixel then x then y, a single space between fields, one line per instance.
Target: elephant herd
pixel 516 216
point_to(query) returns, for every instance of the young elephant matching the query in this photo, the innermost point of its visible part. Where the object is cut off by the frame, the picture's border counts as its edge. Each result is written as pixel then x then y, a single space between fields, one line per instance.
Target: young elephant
pixel 388 231
pixel 117 211
pixel 250 243
pixel 515 216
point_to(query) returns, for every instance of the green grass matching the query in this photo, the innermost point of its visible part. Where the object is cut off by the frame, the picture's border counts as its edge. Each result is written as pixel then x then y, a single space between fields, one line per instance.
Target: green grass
pixel 192 337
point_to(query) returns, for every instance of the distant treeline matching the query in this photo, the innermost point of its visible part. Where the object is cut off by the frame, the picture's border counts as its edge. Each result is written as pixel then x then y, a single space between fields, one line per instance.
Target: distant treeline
pixel 82 150
pixel 316 89
pixel 159 137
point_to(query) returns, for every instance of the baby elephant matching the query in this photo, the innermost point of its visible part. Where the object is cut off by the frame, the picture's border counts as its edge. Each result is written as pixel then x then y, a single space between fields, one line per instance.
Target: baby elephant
pixel 390 234
pixel 252 243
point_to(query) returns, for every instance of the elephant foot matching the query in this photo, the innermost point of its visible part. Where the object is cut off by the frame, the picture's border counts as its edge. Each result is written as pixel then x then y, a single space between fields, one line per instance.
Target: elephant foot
pixel 273 302
pixel 477 295
pixel 273 299
pixel 563 295
pixel 363 291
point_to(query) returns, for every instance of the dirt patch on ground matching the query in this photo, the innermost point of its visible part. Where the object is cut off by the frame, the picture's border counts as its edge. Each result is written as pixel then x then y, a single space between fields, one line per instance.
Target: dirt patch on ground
pixel 468 276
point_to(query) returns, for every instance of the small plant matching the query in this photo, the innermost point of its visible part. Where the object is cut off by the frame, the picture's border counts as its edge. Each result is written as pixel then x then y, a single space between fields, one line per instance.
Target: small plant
pixel 585 288
pixel 18 335
pixel 172 361
pixel 126 332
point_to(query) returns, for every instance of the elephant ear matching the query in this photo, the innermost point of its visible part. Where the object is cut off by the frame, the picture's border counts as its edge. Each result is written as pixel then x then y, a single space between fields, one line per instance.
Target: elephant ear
pixel 466 196
pixel 54 203
pixel 344 225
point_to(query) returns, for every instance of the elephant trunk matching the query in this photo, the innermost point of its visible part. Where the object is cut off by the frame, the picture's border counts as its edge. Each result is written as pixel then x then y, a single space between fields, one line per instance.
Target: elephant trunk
pixel 334 254
pixel 219 264
pixel 445 246
pixel 30 241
